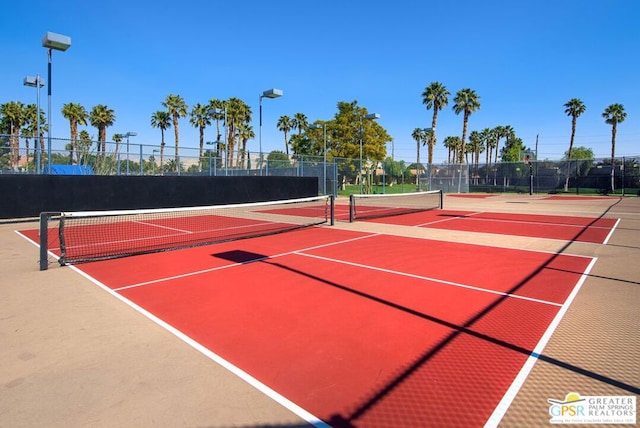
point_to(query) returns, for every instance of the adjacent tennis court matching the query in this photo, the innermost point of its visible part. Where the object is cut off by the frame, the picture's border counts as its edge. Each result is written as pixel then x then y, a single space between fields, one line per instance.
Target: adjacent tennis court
pixel 346 327
pixel 408 210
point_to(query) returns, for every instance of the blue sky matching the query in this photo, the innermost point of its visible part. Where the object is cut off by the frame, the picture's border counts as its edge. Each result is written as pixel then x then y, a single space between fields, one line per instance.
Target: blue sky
pixel 525 59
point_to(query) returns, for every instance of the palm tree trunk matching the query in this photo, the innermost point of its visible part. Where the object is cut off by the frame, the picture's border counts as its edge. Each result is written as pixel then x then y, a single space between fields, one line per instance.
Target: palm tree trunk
pixel 613 156
pixel 177 136
pixel 27 152
pixel 201 141
pixel 464 136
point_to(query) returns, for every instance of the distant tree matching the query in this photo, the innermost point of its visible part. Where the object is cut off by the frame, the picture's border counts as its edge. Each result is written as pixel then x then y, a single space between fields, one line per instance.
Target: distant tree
pixel 278 159
pixel 498 133
pixel 453 146
pixel 177 108
pixel 488 138
pixel 117 138
pixel 200 118
pixel 245 133
pixel 419 136
pixel 466 101
pixel 286 124
pixel 13 112
pixel 436 97
pixel 162 120
pixel 300 122
pixel 29 128
pixel 613 115
pixel 303 144
pixel 514 150
pixel 217 113
pixel 574 108
pixel 76 114
pixel 102 117
pixel 476 140
pixel 84 147
pixel 583 156
pixel 579 153
pixel 238 112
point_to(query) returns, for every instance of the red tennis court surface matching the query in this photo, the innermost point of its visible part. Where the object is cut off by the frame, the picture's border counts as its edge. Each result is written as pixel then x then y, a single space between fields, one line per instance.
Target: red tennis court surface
pixel 567 228
pixel 359 329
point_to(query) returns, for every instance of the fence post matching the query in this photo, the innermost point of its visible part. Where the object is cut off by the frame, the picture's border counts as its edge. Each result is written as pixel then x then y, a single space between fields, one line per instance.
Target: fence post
pixel 623 173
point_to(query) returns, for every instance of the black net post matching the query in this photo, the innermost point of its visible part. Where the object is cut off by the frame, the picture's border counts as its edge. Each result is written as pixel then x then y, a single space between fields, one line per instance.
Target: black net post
pixel 44 238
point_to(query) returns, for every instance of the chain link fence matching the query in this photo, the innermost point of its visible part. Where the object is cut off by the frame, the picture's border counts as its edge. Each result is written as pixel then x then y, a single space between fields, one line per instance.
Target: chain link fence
pixel 28 156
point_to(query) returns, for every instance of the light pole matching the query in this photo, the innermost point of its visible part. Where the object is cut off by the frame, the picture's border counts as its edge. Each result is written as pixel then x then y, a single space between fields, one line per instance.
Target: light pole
pixel 127 135
pixel 269 93
pixel 36 82
pixel 372 116
pixel 58 42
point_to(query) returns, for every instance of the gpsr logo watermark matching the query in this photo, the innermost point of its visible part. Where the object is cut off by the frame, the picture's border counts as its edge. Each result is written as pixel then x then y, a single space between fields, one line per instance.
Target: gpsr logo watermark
pixel 593 409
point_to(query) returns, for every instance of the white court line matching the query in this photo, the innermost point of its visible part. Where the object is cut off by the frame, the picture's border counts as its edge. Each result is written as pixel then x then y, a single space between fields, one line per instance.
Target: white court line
pixel 535 222
pixel 426 278
pixel 611 232
pixel 452 217
pixel 465 216
pixel 294 408
pixel 175 229
pixel 513 390
pixel 188 274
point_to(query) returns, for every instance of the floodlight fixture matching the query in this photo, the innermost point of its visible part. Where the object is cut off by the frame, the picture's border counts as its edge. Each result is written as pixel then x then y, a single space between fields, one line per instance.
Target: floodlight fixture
pixel 269 93
pixel 272 93
pixel 55 41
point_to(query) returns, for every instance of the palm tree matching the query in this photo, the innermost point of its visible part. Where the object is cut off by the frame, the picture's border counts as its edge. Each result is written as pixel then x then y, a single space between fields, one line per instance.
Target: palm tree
pixel 488 138
pixel 84 146
pixel 117 138
pixel 102 117
pixel 613 115
pixel 13 111
pixel 574 108
pixel 509 134
pixel 436 97
pixel 237 112
pixel 245 133
pixel 29 129
pixel 420 136
pixel 466 101
pixel 498 133
pixel 300 122
pixel 452 144
pixel 177 108
pixel 161 119
pixel 477 140
pixel 217 113
pixel 200 118
pixel 76 114
pixel 286 124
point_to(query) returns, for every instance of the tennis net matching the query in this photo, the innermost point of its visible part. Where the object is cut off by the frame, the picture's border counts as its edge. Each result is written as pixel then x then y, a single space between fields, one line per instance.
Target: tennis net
pixel 382 205
pixel 97 235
